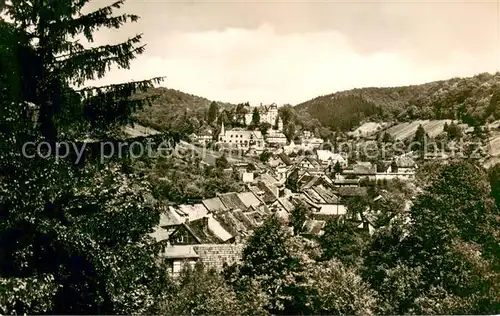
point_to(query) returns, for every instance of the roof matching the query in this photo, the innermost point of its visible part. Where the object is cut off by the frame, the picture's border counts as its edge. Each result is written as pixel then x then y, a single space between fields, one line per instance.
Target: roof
pixel 180 252
pixel 346 181
pixel 287 204
pixel 286 159
pixel 232 201
pixel 313 161
pixel 268 196
pixel 327 194
pixel 352 191
pixel 405 161
pixel 192 211
pixel 331 209
pixel 313 227
pixel 218 230
pixel 314 196
pixel 159 234
pixel 214 204
pixel 235 223
pixel 202 233
pixel 311 180
pixel 326 155
pixel 249 199
pixel 170 218
pixel 364 168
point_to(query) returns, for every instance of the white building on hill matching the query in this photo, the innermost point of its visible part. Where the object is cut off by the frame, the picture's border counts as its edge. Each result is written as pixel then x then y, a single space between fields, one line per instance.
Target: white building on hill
pixel 268 114
pixel 243 139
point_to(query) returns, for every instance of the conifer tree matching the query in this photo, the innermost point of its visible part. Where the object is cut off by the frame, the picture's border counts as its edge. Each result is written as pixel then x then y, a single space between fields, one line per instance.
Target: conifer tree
pixel 53 61
pixel 72 241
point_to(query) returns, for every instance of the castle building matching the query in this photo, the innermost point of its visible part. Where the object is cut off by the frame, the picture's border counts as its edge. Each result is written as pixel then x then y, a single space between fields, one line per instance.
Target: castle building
pixel 268 114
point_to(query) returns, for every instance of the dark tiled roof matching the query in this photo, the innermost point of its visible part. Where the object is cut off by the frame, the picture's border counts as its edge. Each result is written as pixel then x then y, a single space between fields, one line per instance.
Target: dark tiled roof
pixel 232 201
pixel 199 230
pixel 268 196
pixel 352 191
pixel 286 159
pixel 327 194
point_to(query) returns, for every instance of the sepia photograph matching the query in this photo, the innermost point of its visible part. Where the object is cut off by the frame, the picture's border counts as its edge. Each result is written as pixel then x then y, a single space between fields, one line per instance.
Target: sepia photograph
pixel 249 157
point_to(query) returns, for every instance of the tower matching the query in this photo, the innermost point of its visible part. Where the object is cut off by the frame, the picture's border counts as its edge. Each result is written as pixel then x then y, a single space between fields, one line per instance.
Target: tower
pixel 222 130
pixel 280 124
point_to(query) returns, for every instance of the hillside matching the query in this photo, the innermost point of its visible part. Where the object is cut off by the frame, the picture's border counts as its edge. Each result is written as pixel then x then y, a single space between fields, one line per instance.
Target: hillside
pixel 473 100
pixel 173 109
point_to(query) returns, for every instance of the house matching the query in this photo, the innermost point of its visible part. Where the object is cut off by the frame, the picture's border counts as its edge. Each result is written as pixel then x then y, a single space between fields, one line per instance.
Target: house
pixel 276 138
pixel 205 230
pixel 404 164
pixel 283 207
pixel 241 139
pixel 309 142
pixel 327 201
pixel 363 170
pixel 177 256
pixel 327 157
pixel 204 137
pixel 308 163
pixel 399 168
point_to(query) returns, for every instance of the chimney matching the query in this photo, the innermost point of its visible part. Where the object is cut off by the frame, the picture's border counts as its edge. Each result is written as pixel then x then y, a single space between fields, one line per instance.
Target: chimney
pixel 205 223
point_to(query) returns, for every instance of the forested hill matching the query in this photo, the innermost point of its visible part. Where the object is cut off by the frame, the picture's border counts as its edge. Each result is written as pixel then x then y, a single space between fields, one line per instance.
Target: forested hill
pixel 473 99
pixel 173 108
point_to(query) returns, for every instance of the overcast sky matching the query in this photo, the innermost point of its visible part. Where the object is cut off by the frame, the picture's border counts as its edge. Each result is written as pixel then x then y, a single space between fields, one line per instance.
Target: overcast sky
pixel 292 51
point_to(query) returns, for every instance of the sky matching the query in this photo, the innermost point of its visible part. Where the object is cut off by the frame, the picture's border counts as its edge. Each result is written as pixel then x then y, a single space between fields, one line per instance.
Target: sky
pixel 293 51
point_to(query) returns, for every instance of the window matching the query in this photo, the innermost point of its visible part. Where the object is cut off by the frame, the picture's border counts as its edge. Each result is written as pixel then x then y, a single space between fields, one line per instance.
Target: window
pixel 231 135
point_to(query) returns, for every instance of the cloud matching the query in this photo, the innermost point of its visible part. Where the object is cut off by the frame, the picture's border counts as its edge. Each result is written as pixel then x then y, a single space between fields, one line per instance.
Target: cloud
pixel 262 65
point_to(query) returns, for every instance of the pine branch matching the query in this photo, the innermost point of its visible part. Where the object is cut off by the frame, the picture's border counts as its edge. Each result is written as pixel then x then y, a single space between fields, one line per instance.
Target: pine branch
pixel 113 104
pixel 89 64
pixel 89 23
pixel 140 86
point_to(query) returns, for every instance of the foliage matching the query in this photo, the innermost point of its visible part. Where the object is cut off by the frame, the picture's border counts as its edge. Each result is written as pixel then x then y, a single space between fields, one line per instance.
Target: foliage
pixel 255 117
pixel 182 181
pixel 446 250
pixel 213 112
pixel 472 100
pixel 222 162
pixel 342 241
pixel 173 110
pixel 264 127
pixel 265 156
pixel 299 215
pixel 334 289
pixel 454 131
pixel 74 240
pixel 291 182
pixel 200 291
pixel 274 259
